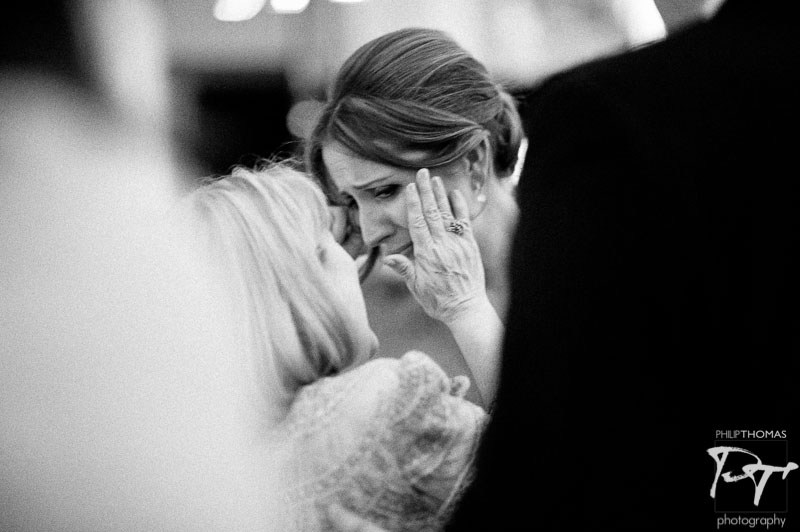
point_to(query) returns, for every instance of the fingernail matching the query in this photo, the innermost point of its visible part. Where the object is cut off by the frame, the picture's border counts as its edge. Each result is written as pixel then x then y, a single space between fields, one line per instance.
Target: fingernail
pixel 424 172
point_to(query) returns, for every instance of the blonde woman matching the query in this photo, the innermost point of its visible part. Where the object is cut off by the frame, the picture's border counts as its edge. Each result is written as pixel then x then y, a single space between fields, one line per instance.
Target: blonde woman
pixel 391 440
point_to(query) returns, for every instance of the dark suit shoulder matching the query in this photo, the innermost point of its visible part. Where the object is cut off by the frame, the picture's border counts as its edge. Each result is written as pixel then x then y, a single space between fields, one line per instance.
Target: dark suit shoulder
pixel 629 63
pixel 699 56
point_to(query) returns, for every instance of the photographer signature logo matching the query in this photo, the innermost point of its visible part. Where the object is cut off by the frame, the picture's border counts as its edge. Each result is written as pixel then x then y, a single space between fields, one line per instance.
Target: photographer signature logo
pixel 720 455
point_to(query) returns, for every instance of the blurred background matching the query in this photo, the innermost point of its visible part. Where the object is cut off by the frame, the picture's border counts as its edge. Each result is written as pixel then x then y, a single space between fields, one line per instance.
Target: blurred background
pixel 230 80
pixel 116 374
pixel 245 78
pixel 239 82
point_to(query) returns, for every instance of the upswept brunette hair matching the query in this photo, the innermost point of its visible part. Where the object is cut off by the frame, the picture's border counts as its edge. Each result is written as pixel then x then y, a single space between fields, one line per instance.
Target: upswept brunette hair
pixel 415 89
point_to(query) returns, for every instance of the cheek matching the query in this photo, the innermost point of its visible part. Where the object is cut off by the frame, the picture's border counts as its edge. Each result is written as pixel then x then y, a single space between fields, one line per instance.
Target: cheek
pixel 391 212
pixel 397 210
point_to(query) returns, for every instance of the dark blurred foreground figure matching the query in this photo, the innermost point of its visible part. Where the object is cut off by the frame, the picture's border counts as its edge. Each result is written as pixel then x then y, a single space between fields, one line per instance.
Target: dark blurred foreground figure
pixel 655 288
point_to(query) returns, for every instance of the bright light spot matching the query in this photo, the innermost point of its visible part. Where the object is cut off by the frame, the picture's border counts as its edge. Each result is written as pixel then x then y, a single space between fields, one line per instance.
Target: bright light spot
pixel 289 6
pixel 523 151
pixel 641 20
pixel 237 10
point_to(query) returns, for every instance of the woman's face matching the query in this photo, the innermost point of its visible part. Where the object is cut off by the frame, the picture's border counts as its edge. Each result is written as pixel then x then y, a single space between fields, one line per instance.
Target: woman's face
pixel 378 192
pixel 342 274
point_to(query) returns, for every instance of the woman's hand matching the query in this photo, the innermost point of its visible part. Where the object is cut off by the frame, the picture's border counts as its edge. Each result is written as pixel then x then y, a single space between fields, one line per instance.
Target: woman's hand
pixel 446 276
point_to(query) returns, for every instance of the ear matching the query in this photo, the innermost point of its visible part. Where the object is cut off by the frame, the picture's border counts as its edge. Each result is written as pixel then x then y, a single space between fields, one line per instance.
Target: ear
pixel 480 168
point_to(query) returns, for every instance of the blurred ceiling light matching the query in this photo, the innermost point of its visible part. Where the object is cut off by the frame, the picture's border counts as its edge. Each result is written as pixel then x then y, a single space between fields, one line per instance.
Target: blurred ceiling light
pixel 237 10
pixel 289 6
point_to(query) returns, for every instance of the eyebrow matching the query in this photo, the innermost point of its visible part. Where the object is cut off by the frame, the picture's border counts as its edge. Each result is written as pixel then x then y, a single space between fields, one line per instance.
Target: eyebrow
pixel 374 183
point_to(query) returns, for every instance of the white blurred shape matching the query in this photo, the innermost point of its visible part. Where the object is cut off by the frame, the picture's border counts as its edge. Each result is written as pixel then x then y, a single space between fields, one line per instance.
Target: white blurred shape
pixel 302 116
pixel 289 6
pixel 120 403
pixel 129 54
pixel 237 10
pixel 641 20
pixel 710 7
pixel 523 151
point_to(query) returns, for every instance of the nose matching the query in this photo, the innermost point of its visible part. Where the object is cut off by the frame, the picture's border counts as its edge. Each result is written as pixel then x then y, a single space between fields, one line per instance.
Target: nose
pixel 376 226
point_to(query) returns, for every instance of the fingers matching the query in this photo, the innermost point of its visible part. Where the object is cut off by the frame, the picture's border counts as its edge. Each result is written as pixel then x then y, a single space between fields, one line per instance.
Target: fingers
pixel 402 266
pixel 417 225
pixel 346 521
pixel 441 199
pixel 430 207
pixel 428 204
pixel 460 207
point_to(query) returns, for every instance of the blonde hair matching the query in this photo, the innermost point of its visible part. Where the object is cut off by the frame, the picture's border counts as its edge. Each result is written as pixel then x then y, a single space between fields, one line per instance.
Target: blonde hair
pixel 263 227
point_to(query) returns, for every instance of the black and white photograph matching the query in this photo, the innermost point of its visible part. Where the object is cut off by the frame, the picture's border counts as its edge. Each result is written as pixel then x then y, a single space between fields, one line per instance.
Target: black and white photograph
pixel 399 266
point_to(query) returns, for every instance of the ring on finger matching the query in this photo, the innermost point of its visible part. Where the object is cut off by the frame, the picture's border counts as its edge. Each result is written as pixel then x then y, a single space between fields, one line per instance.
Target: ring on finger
pixel 457 227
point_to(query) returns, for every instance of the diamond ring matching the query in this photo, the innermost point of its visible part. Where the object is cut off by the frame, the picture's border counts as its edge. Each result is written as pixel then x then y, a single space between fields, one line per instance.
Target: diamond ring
pixel 457 227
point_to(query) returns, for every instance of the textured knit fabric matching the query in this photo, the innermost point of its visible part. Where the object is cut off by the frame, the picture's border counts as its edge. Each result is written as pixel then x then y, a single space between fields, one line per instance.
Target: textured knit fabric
pixel 392 440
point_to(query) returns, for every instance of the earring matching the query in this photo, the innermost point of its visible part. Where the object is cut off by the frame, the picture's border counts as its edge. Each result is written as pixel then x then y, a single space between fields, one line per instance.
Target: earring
pixel 481 200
